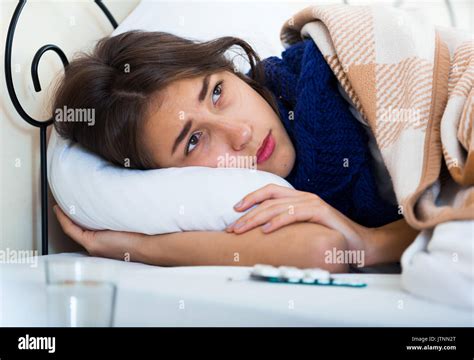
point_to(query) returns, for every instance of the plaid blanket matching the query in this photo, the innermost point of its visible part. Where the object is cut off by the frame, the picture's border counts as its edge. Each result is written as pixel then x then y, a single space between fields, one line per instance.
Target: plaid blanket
pixel 413 84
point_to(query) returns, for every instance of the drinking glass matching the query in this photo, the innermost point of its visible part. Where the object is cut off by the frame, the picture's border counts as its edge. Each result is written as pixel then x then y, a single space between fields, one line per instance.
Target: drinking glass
pixel 80 293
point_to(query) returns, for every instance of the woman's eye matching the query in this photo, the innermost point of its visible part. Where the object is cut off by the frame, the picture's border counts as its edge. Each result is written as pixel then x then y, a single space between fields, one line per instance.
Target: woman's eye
pixel 193 141
pixel 217 92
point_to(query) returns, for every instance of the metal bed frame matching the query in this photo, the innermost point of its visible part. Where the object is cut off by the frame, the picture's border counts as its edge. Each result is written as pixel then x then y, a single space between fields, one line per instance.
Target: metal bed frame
pixel 42 125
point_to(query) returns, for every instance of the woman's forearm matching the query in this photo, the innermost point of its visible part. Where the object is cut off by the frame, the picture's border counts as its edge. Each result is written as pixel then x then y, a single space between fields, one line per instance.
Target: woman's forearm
pixel 388 242
pixel 301 244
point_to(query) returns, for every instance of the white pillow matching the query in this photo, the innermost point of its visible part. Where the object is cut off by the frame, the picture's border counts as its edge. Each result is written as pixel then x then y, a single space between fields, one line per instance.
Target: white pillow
pixel 99 195
pixel 259 23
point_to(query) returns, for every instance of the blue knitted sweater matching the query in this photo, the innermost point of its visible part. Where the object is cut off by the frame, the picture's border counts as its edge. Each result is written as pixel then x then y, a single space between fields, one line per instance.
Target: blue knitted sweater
pixel 332 154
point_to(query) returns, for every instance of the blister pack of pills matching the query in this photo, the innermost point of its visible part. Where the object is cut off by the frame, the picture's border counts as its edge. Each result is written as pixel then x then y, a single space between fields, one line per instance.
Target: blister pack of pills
pixel 293 275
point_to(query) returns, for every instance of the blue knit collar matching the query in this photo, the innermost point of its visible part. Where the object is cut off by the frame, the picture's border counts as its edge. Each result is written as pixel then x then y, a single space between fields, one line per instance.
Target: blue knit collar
pixel 332 155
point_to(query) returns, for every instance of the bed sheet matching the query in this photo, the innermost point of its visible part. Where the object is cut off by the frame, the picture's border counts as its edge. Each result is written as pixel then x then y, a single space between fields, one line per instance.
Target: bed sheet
pixel 225 296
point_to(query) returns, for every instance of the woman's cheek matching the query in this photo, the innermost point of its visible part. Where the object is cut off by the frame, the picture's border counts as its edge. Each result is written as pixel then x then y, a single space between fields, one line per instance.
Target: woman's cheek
pixel 210 155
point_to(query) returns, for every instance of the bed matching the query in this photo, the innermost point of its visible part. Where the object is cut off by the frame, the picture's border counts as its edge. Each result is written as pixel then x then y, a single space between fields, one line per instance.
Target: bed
pixel 225 296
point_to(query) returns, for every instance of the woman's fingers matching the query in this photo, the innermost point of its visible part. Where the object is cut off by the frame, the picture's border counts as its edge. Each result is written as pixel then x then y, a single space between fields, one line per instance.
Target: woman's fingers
pixel 302 213
pixel 281 214
pixel 112 244
pixel 279 221
pixel 270 191
pixel 69 228
pixel 258 217
pixel 265 211
pixel 257 208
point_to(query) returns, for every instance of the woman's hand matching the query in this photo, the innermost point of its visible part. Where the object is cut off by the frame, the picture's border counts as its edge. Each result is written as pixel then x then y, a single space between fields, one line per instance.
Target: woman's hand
pixel 300 245
pixel 280 206
pixel 105 243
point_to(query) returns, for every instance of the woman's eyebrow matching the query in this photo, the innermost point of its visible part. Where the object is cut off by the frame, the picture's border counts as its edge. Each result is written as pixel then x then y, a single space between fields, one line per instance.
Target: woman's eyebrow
pixel 182 135
pixel 205 86
pixel 189 123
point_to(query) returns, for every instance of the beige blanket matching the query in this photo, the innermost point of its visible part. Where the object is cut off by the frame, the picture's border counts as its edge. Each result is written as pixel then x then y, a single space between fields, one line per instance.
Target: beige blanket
pixel 413 84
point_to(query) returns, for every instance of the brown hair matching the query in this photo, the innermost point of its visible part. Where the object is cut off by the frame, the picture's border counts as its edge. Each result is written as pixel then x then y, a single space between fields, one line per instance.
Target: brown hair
pixel 121 99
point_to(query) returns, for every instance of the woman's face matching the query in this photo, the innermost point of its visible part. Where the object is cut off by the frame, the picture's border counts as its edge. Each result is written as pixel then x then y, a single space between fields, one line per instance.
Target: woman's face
pixel 217 121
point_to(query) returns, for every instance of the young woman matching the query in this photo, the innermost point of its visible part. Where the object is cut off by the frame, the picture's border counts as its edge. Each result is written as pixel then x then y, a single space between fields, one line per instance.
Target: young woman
pixel 164 101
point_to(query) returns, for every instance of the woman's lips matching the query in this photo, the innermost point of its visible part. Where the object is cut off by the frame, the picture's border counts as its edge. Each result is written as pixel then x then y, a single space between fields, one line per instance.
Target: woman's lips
pixel 266 150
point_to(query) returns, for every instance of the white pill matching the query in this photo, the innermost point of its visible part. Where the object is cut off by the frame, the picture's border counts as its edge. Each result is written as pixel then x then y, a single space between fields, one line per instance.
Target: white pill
pixel 324 282
pixel 289 272
pixel 317 274
pixel 265 270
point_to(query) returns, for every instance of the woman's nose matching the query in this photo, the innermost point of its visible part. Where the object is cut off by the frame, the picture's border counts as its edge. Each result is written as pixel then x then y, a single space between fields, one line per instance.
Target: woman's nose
pixel 239 134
